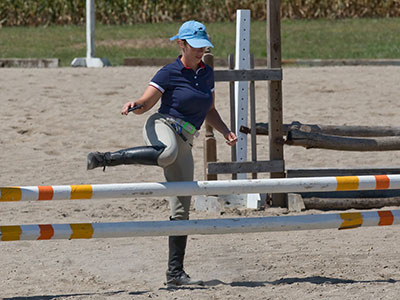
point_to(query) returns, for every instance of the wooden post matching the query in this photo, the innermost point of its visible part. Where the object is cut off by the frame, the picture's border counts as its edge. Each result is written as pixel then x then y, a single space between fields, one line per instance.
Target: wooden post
pixel 275 92
pixel 231 65
pixel 253 118
pixel 210 143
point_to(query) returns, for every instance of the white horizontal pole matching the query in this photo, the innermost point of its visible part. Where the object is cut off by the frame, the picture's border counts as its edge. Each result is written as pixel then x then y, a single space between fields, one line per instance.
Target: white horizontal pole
pixel 188 188
pixel 209 226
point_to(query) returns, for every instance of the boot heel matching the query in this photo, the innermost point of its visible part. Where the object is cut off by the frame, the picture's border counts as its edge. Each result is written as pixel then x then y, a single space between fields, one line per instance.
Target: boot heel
pixel 182 279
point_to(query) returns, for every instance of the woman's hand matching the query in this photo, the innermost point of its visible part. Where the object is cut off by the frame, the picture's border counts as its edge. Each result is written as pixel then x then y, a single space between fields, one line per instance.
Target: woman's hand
pixel 230 138
pixel 149 98
pixel 127 106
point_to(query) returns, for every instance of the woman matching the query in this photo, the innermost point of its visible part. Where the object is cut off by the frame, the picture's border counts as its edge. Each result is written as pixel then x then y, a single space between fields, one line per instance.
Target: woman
pixel 186 90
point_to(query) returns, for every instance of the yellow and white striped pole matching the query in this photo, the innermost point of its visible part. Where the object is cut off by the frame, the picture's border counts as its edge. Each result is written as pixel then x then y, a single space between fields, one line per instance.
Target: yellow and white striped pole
pixel 188 188
pixel 207 226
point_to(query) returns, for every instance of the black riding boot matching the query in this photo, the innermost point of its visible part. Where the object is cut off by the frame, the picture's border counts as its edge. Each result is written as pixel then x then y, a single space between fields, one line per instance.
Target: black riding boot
pixel 145 155
pixel 176 276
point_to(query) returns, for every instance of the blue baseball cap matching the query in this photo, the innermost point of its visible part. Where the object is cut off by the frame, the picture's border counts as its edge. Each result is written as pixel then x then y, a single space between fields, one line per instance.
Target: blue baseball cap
pixel 194 33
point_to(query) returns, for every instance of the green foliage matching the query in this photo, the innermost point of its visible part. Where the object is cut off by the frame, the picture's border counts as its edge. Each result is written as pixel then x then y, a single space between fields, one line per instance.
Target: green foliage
pixel 324 39
pixel 62 12
pixel 334 9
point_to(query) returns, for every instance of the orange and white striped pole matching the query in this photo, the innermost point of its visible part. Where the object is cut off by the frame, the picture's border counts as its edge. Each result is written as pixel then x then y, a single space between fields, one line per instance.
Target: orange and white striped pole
pixel 207 226
pixel 188 188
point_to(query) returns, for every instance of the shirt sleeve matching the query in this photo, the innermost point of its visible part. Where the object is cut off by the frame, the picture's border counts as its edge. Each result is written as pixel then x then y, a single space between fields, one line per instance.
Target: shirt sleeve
pixel 161 80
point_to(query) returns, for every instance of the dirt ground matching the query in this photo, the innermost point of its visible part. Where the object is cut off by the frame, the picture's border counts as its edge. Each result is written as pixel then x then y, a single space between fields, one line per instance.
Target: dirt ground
pixel 51 118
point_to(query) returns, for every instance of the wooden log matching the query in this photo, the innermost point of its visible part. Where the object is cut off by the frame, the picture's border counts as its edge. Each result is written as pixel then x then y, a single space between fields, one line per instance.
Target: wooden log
pixel 210 142
pixel 356 131
pixel 343 130
pixel 323 141
pixel 320 172
pixel 353 203
pixel 262 129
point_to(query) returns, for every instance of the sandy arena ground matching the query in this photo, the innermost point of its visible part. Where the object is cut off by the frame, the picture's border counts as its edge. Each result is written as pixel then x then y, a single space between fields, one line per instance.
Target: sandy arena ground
pixel 51 118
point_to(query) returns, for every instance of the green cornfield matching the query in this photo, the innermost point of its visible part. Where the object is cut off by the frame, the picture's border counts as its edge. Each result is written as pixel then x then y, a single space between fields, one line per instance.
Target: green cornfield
pixel 128 12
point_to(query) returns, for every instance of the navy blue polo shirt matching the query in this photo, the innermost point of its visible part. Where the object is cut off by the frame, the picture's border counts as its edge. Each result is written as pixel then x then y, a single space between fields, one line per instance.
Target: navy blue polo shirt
pixel 186 94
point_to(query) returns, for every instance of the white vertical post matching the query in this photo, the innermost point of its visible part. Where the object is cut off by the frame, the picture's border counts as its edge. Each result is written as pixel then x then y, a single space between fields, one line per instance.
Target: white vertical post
pixel 90 22
pixel 242 62
pixel 90 60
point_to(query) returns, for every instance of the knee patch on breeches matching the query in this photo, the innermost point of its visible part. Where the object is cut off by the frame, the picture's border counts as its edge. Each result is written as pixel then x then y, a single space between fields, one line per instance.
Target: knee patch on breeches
pixel 168 156
pixel 157 132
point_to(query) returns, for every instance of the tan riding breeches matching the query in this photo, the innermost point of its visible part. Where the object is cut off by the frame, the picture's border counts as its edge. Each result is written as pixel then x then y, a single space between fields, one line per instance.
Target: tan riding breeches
pixel 176 159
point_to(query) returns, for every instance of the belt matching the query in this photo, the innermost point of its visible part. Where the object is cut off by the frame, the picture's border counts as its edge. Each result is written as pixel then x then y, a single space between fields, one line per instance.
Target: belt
pixel 187 126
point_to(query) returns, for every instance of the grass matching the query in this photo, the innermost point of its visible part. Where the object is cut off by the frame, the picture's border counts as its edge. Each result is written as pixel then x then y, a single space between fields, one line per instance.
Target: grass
pixel 323 39
pixel 351 38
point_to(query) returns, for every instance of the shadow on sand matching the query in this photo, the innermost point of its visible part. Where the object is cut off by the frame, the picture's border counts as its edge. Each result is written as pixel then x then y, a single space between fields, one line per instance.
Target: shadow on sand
pixel 50 297
pixel 215 282
pixel 313 279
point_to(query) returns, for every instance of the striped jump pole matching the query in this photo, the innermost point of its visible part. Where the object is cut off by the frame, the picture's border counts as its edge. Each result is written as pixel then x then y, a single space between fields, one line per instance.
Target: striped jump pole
pixel 189 188
pixel 208 226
